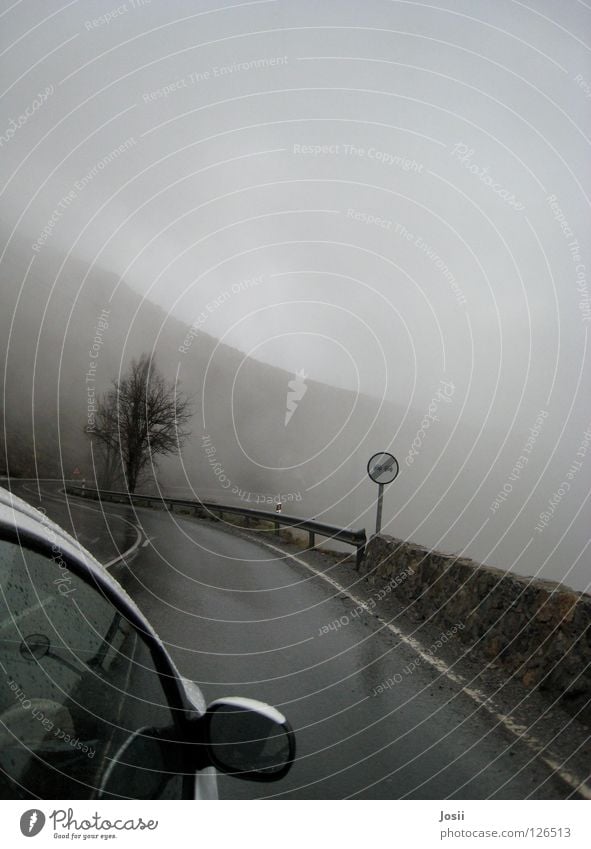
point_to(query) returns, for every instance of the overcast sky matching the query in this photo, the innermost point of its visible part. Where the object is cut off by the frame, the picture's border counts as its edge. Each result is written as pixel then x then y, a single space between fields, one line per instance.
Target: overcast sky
pixel 384 194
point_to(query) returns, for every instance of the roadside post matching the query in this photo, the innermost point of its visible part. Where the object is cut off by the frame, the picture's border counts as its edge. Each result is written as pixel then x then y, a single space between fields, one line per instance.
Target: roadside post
pixel 382 468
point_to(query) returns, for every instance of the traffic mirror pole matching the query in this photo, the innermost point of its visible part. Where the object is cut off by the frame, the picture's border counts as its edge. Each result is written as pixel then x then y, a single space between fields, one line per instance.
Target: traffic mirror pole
pixel 382 468
pixel 379 514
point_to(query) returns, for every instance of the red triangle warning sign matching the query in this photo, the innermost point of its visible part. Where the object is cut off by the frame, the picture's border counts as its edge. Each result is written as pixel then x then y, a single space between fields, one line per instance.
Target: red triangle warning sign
pixel 76 471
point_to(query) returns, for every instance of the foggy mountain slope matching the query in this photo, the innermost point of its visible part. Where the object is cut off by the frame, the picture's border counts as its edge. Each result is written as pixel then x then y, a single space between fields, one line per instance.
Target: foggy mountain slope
pixel 242 449
pixel 244 401
pixel 318 457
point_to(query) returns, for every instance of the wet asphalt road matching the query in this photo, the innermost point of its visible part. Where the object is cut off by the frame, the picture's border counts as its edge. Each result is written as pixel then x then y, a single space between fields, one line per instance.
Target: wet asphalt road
pixel 241 620
pixel 107 533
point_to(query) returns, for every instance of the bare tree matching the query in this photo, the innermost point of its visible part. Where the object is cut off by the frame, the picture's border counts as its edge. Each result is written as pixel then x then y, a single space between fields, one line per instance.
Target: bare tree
pixel 143 416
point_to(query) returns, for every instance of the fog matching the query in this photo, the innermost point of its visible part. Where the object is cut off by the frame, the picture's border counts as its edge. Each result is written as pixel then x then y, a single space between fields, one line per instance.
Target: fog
pixel 388 199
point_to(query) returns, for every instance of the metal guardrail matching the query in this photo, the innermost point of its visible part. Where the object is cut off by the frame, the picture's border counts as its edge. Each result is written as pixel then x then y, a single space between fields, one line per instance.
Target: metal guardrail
pixel 357 539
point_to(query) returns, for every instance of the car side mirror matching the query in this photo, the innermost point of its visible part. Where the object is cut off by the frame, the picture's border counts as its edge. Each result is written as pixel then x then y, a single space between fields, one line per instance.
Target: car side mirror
pixel 241 737
pixel 248 739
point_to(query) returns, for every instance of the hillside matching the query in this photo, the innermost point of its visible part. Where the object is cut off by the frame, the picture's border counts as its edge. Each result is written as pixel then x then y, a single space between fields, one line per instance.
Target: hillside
pixel 67 336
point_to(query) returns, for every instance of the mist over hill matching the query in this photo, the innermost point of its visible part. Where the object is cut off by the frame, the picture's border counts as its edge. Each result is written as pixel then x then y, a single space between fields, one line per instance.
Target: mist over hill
pixel 261 433
pixel 68 335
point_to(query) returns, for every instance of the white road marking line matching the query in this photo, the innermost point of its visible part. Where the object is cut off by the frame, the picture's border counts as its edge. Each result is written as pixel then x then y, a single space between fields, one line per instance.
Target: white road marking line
pixel 120 557
pixel 519 731
pixel 125 554
pixel 60 499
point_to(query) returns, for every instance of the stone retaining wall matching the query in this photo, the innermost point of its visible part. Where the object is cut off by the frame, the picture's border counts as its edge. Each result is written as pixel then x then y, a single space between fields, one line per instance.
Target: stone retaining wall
pixel 541 630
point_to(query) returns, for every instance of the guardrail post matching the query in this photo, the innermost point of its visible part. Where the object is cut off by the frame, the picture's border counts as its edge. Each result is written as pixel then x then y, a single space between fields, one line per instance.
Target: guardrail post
pixel 311 539
pixel 359 558
pixel 276 527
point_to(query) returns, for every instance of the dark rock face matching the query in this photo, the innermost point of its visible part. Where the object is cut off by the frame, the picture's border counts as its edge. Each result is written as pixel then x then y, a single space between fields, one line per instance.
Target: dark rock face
pixel 539 630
